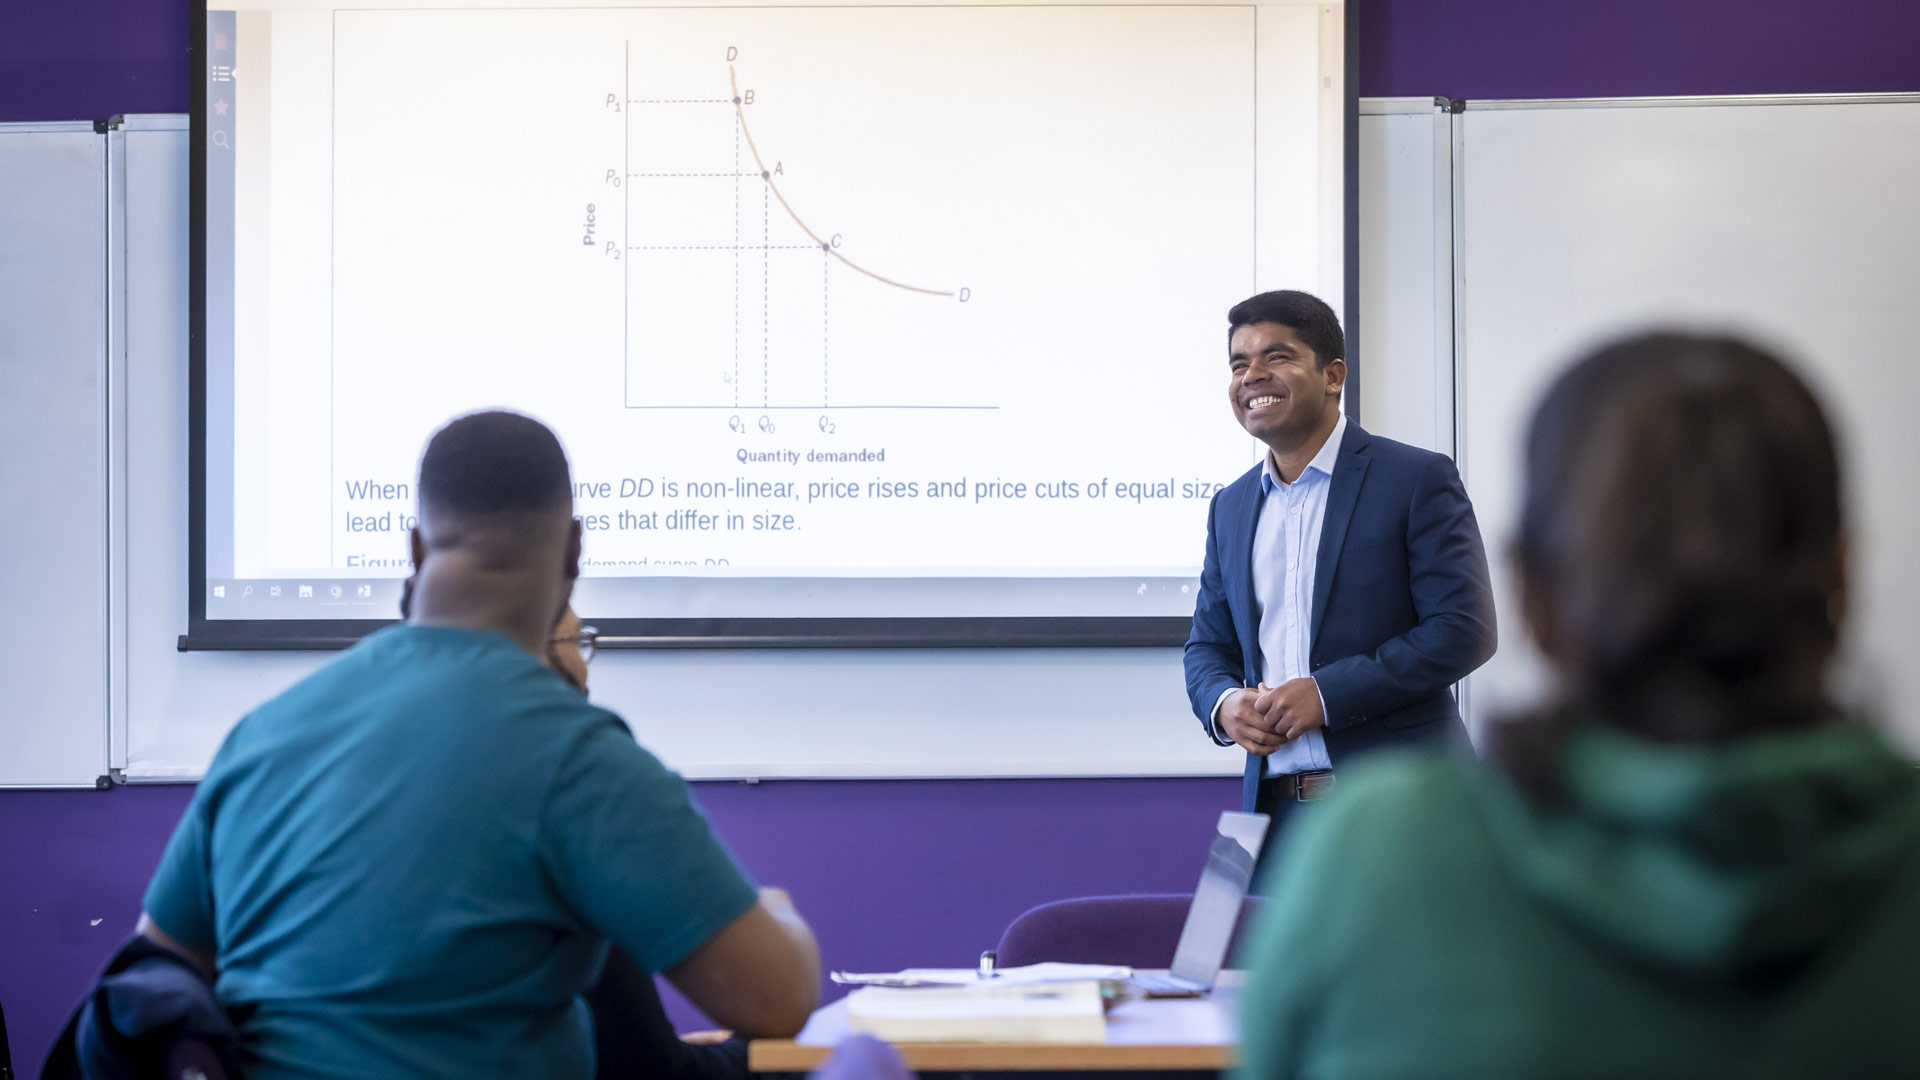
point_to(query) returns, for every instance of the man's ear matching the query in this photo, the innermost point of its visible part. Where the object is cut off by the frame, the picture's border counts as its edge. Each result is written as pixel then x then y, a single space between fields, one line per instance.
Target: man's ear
pixel 1336 375
pixel 418 547
pixel 574 532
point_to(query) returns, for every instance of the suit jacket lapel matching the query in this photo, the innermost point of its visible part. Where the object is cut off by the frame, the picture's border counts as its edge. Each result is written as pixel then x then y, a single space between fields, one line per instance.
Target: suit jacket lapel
pixel 1343 494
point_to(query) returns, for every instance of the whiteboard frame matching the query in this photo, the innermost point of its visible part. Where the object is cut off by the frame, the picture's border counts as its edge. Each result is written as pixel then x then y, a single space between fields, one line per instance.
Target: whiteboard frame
pixel 1122 712
pixel 1458 189
pixel 92 734
pixel 1460 350
pixel 231 687
pixel 1441 110
pixel 1702 101
pixel 119 446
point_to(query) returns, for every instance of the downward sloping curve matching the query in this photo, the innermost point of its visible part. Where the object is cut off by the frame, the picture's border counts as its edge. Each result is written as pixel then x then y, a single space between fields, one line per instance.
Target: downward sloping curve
pixel 740 111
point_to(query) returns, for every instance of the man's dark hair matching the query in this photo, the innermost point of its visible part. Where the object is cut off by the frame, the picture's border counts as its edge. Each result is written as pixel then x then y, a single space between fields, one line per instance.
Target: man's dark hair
pixel 494 462
pixel 1681 518
pixel 1304 313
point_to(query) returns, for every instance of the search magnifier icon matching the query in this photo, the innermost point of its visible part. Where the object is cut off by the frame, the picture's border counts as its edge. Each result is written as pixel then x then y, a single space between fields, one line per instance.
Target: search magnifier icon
pixel 734 423
pixel 220 140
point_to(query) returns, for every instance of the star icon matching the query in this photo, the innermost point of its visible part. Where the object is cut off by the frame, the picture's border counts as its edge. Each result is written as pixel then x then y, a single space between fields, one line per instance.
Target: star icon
pixel 220 107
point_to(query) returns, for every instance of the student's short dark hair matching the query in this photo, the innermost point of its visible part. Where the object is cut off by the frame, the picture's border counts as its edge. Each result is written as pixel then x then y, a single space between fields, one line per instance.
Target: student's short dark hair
pixel 1304 313
pixel 492 463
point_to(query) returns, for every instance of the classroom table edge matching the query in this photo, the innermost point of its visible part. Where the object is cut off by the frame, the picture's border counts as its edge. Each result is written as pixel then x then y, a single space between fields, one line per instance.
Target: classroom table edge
pixel 786 1055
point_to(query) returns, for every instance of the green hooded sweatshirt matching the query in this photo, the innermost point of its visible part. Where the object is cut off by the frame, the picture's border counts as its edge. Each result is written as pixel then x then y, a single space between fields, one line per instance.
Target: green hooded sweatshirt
pixel 1746 910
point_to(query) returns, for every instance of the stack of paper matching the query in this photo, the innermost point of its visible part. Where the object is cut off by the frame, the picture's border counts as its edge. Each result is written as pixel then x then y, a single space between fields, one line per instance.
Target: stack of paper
pixel 986 1011
pixel 1031 973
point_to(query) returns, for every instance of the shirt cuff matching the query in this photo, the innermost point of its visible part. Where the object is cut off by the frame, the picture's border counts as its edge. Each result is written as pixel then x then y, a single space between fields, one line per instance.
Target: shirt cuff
pixel 1213 718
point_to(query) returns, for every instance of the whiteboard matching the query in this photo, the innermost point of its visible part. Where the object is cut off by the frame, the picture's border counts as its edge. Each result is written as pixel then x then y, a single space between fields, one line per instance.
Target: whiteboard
pixel 1793 220
pixel 53 527
pixel 1406 271
pixel 723 714
pixel 176 706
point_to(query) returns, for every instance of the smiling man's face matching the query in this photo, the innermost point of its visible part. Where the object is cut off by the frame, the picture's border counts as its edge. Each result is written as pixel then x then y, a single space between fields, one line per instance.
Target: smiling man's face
pixel 1280 391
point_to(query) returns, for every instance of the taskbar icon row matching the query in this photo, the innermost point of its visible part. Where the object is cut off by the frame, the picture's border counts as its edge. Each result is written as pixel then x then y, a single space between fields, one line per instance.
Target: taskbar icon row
pixel 286 598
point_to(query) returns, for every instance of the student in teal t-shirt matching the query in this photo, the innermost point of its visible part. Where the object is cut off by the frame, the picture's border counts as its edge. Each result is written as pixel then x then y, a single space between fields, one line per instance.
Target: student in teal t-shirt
pixel 1690 862
pixel 412 861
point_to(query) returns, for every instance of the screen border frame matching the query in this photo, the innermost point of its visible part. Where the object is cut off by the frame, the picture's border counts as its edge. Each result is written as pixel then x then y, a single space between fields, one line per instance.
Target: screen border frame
pixel 1103 631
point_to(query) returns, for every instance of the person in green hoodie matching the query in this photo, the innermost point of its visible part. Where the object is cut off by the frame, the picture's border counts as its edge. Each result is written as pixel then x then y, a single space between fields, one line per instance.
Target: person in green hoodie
pixel 1690 862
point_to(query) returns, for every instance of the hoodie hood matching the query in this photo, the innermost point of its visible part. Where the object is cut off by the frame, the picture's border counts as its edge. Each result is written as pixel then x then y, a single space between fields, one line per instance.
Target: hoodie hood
pixel 1718 862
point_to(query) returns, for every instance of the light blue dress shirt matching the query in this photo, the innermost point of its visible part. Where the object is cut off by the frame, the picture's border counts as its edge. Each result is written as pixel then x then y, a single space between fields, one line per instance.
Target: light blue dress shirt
pixel 1286 547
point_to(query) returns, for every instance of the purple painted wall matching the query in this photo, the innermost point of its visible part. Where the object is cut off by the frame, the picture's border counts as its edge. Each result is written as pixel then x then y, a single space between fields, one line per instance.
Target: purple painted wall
pixel 1633 48
pixel 83 59
pixel 890 872
pixel 893 872
pixel 90 59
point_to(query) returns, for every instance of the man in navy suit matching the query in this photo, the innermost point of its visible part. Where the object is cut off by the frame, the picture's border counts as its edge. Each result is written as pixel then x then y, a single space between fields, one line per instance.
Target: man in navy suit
pixel 1345 587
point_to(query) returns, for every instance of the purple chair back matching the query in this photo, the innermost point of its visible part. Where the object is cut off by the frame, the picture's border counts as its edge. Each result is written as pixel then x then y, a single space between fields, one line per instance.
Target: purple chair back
pixel 1137 931
pixel 863 1057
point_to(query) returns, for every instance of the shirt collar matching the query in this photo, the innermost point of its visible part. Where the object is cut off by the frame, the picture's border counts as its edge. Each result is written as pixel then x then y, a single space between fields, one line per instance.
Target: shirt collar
pixel 1322 462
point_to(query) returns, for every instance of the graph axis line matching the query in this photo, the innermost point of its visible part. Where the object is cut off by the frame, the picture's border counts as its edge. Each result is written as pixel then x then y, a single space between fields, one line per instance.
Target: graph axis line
pixel 826 347
pixel 736 262
pixel 766 301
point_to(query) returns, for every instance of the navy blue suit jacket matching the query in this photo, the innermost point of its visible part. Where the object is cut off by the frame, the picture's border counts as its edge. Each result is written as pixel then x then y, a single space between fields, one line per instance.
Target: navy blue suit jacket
pixel 1402 606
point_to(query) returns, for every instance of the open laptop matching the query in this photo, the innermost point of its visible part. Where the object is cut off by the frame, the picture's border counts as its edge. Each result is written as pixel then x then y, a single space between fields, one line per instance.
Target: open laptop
pixel 1215 911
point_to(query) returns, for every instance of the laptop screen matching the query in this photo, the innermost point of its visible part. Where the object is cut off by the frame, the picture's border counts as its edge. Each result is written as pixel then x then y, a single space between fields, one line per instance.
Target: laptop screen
pixel 1216 902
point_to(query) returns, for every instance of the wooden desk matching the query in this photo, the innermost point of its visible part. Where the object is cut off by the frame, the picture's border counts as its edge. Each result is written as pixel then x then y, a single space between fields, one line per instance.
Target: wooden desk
pixel 1155 1033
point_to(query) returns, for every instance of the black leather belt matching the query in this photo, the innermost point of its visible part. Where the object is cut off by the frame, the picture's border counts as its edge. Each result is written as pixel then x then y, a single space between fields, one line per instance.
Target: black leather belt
pixel 1302 786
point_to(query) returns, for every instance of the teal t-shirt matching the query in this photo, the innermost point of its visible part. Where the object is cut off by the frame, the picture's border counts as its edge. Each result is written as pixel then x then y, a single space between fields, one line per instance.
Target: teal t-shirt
pixel 409 864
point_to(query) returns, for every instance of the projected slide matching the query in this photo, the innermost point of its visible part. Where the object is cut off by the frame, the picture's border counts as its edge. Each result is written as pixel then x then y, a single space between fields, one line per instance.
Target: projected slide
pixel 701 267
pixel 839 311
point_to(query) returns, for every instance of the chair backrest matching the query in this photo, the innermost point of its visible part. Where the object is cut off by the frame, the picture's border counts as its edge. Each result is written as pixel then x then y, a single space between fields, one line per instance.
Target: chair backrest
pixel 863 1057
pixel 1138 931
